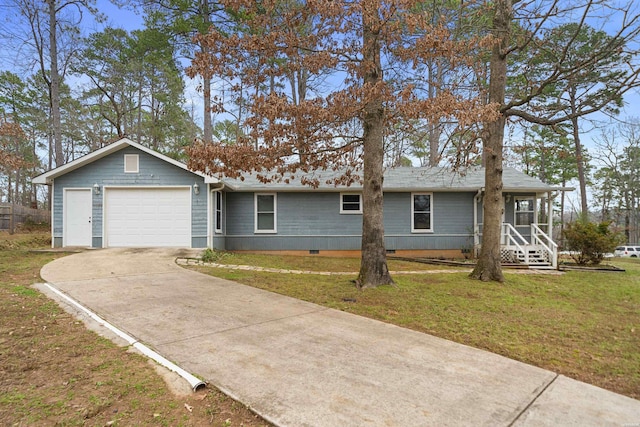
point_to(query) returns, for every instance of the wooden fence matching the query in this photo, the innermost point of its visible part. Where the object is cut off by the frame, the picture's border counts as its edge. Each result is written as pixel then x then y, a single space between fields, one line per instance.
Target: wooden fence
pixel 11 216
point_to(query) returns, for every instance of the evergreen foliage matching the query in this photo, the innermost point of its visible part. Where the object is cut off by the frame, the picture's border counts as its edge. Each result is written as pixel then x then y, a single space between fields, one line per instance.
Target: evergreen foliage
pixel 590 241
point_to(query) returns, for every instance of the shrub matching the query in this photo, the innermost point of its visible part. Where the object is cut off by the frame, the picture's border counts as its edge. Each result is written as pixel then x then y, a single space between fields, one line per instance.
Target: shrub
pixel 589 241
pixel 208 255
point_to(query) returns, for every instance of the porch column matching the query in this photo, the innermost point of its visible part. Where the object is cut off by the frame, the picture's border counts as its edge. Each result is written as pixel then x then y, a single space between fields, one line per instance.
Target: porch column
pixel 549 215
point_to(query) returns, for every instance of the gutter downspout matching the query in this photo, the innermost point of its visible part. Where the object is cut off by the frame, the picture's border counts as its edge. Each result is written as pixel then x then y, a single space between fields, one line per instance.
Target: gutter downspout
pixel 51 203
pixel 195 383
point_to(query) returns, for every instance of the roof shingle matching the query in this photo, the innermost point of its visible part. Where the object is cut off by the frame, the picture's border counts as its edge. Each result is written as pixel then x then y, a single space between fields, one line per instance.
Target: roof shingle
pixel 401 179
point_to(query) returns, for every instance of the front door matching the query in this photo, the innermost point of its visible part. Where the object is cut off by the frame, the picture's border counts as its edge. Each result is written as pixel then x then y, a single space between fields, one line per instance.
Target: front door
pixel 77 217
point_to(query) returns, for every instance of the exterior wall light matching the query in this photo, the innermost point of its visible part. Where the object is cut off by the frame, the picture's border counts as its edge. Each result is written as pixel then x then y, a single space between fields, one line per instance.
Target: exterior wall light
pixel 96 189
pixel 196 188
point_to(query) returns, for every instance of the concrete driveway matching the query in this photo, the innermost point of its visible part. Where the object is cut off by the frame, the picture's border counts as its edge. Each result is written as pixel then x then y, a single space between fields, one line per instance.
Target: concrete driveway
pixel 300 364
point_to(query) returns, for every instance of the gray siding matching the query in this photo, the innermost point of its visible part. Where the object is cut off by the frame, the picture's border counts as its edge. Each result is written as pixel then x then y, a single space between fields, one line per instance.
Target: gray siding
pixel 298 214
pixel 312 221
pixel 509 213
pixel 292 243
pixel 199 242
pixel 219 242
pixel 109 171
pixel 452 213
pixel 239 214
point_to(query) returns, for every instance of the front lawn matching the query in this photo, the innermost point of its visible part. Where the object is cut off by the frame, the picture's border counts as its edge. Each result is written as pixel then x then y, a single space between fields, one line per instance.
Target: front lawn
pixel 579 324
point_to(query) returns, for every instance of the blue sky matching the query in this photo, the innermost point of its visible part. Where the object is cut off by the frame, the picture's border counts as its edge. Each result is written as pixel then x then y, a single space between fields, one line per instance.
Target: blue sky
pixel 119 18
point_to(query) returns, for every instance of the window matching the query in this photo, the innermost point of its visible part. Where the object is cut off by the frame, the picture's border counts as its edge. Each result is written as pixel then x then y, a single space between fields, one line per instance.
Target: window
pixel 265 207
pixel 131 163
pixel 421 218
pixel 525 209
pixel 218 212
pixel 350 203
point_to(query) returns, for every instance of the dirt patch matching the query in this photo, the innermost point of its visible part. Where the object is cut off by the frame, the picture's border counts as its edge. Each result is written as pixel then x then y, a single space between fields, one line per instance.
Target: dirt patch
pixel 594 268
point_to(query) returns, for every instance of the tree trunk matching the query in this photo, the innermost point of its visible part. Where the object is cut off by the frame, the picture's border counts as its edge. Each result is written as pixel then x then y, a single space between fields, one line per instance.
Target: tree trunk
pixel 434 131
pixel 627 227
pixel 55 85
pixel 207 122
pixel 561 237
pixel 488 267
pixel 373 266
pixel 139 115
pixel 16 192
pixel 579 162
pixel 10 188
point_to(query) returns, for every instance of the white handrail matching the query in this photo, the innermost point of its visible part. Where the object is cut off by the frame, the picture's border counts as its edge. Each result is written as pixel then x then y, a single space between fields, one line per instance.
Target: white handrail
pixel 552 248
pixel 537 231
pixel 512 238
pixel 511 233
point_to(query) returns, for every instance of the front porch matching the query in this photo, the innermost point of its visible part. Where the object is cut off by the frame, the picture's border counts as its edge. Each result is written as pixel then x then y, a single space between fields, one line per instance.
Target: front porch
pixel 524 240
pixel 540 251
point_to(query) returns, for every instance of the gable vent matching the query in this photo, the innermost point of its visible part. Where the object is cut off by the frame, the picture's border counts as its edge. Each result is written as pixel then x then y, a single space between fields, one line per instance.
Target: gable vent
pixel 131 163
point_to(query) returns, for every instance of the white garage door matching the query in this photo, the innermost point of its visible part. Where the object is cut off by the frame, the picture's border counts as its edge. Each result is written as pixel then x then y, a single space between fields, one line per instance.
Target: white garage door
pixel 147 217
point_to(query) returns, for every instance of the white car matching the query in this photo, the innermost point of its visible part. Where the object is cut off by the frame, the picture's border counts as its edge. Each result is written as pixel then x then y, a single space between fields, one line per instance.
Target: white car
pixel 627 251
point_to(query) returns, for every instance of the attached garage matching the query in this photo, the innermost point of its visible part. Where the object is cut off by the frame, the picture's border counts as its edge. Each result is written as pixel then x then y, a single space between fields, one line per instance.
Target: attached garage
pixel 127 195
pixel 147 217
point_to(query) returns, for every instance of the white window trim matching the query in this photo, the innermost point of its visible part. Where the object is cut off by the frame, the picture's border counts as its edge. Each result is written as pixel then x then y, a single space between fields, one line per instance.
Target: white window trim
pixel 346 212
pixel 217 227
pixel 255 213
pixel 137 158
pixel 516 212
pixel 422 230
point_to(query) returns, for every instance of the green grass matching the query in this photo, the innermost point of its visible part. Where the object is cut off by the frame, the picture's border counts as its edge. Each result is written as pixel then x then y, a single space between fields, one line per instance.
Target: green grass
pixel 581 324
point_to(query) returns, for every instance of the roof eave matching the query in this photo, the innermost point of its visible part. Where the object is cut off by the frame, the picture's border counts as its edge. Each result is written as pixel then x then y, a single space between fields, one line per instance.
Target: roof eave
pixel 527 189
pixel 392 189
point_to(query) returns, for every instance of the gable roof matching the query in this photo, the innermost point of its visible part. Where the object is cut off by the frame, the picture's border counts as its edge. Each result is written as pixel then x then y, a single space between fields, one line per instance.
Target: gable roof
pixel 47 177
pixel 403 179
pixel 395 179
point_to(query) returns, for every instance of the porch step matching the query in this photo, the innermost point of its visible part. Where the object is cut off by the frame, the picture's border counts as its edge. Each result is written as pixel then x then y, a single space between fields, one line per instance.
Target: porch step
pixel 528 266
pixel 532 257
pixel 541 267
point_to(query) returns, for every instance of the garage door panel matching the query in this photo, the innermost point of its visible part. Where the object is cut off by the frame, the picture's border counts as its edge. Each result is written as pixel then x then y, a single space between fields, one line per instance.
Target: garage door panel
pixel 146 217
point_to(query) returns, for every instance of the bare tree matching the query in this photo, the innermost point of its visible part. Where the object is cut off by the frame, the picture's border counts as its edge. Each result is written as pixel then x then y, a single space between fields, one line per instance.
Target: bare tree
pixel 618 150
pixel 38 32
